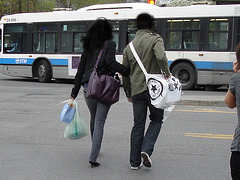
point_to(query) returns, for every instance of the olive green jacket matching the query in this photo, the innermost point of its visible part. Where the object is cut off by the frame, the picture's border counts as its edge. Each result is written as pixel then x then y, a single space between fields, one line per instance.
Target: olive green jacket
pixel 150 48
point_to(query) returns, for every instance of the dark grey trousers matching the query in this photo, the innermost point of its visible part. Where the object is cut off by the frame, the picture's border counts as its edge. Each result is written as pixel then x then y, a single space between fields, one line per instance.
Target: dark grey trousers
pixel 98 113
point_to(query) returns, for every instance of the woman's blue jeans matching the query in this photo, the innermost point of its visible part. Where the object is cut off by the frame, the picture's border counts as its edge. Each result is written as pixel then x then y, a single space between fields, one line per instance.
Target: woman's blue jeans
pixel 139 141
pixel 98 113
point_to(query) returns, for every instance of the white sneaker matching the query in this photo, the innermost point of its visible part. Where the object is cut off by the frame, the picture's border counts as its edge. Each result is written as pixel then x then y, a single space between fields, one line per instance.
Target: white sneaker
pixel 146 160
pixel 138 167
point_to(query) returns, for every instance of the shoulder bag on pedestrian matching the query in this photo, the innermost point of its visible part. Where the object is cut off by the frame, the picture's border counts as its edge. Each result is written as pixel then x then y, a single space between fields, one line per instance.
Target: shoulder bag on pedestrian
pixel 163 92
pixel 103 88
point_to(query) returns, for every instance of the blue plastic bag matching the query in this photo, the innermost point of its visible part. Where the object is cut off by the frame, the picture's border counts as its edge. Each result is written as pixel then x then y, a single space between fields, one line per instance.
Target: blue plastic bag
pixel 77 128
pixel 67 113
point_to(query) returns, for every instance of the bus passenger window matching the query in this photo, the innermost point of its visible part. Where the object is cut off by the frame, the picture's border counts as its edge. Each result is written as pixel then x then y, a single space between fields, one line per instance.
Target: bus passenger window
pixel 183 34
pixel 132 29
pixel 115 29
pixel 71 35
pixel 51 43
pixel 174 40
pixel 191 40
pixel 238 32
pixel 38 43
pixel 0 40
pixel 116 39
pixel 77 45
pixel 218 34
pixel 44 38
pixel 15 39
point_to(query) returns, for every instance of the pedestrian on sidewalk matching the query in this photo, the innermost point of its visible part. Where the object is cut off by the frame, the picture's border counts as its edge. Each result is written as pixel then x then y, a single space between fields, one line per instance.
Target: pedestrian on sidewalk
pixel 150 48
pixel 98 38
pixel 232 100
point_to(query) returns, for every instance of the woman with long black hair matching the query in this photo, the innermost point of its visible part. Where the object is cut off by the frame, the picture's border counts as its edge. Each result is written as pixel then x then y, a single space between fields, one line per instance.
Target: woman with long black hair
pixel 98 37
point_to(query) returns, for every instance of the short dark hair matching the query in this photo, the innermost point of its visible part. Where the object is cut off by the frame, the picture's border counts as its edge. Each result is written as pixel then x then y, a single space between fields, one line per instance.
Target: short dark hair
pixel 145 21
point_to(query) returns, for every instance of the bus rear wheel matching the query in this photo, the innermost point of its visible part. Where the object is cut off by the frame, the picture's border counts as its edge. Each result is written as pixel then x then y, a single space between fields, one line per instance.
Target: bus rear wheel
pixel 44 71
pixel 186 74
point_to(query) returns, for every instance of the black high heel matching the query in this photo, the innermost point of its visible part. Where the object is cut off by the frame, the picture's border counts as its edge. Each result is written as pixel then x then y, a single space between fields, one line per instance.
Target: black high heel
pixel 94 164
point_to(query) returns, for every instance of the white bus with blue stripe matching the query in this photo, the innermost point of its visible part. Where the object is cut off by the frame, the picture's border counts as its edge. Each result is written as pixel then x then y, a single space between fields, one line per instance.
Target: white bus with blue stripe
pixel 200 40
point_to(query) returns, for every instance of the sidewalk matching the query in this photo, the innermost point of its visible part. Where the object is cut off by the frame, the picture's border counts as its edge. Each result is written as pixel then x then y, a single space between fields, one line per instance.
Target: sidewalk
pixel 203 98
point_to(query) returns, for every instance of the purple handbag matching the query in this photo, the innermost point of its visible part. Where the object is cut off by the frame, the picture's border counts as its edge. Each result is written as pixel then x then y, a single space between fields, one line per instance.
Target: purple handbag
pixel 103 88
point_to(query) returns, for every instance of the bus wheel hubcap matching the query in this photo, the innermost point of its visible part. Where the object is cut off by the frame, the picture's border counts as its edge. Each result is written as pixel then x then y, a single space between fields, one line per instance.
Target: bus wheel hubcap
pixel 41 71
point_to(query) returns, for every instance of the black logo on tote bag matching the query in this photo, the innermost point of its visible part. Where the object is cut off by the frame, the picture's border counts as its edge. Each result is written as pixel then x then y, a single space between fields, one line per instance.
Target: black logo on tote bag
pixel 155 88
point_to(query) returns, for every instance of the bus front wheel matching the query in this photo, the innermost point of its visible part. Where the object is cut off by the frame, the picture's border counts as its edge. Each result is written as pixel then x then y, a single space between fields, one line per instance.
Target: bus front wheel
pixel 186 74
pixel 44 71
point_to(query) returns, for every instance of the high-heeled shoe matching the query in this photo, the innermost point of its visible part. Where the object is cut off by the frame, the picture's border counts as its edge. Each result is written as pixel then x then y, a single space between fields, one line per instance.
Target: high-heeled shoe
pixel 94 164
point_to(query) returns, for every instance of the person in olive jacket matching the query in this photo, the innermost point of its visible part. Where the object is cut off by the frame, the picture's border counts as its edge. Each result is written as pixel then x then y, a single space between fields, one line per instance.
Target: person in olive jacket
pixel 98 37
pixel 150 48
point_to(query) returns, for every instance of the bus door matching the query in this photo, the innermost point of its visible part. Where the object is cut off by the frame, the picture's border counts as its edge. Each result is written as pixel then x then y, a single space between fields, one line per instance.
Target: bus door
pixel 73 62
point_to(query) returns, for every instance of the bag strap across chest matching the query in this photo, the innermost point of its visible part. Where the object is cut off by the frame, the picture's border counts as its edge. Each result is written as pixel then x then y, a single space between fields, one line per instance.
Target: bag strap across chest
pixel 137 58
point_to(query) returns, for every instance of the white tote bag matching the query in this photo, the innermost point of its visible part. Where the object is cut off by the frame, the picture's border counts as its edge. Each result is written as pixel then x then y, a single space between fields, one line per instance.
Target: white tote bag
pixel 163 92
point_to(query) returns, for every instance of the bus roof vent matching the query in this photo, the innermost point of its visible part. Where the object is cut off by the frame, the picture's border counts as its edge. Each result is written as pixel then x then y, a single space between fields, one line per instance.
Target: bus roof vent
pixel 105 8
pixel 117 6
pixel 201 3
pixel 62 9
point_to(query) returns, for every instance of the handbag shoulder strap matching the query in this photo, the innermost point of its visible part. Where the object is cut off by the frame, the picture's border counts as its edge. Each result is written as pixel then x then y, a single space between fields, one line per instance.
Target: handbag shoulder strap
pixel 100 54
pixel 137 58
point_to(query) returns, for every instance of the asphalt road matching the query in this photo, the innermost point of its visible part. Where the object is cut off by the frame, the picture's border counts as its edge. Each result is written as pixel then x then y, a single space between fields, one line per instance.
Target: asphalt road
pixel 194 143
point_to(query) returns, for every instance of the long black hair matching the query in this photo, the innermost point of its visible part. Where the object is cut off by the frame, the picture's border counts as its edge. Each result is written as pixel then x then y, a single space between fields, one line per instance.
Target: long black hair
pixel 99 32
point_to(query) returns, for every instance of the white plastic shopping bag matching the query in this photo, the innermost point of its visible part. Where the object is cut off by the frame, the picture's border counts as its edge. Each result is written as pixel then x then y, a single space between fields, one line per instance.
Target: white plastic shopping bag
pixel 77 128
pixel 167 111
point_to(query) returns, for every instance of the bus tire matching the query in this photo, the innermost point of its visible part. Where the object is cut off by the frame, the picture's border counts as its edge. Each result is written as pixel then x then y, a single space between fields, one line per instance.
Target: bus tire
pixel 44 71
pixel 186 74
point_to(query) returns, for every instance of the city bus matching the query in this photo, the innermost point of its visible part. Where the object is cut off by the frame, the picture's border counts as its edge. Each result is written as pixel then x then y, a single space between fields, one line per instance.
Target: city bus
pixel 200 40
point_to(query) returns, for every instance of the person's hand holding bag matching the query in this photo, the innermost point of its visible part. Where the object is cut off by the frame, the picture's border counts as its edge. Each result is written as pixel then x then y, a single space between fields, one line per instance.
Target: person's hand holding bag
pixel 68 112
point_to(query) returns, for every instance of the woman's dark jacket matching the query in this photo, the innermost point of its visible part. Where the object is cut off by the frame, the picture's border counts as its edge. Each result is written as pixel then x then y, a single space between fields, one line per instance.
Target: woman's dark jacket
pixel 107 65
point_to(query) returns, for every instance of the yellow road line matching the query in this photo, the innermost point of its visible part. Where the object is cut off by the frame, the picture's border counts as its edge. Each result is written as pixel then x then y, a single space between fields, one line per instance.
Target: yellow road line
pixel 206 135
pixel 205 110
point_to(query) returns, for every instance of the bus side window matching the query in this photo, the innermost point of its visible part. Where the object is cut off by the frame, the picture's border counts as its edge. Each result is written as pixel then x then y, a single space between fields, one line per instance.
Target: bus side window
pixel 13 44
pixel 0 40
pixel 190 45
pixel 77 44
pixel 218 34
pixel 15 39
pixel 116 39
pixel 115 29
pixel 44 38
pixel 183 34
pixel 51 43
pixel 132 29
pixel 36 47
pixel 174 40
pixel 238 32
pixel 71 36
